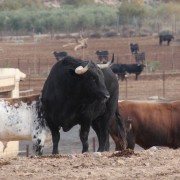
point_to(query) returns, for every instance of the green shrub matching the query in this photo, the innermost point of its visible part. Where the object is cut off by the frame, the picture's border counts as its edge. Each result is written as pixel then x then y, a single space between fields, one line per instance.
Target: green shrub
pixel 128 12
pixel 17 16
pixel 153 65
pixel 57 20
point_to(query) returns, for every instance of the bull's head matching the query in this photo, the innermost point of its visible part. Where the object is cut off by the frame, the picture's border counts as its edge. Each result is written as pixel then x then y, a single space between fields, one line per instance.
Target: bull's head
pixel 93 82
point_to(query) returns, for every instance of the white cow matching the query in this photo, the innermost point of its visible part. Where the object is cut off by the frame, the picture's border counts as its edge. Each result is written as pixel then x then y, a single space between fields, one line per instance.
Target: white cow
pixel 21 119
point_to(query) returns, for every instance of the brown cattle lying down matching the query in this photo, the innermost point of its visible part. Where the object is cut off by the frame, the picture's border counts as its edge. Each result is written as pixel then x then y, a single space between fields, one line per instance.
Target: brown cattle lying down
pixel 150 124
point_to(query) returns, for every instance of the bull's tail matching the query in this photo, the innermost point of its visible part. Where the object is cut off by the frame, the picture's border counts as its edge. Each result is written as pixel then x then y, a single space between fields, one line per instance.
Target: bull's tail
pixel 121 129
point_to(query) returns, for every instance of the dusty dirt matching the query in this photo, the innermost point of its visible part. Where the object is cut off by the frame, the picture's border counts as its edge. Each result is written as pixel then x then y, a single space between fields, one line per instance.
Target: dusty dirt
pixel 145 164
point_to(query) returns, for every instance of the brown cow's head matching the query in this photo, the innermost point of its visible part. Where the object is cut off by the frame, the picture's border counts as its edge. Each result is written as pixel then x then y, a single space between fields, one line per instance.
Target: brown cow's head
pixel 115 135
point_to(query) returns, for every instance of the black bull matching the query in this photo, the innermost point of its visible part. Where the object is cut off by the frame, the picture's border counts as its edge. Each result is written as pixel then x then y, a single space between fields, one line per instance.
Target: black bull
pixel 165 37
pixel 79 92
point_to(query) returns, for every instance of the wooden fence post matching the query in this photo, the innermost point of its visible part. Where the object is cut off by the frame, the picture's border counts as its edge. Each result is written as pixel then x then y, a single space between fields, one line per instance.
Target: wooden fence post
pixel 126 89
pixel 27 150
pixel 29 80
pixel 39 66
pixel 163 84
pixel 18 64
pixel 172 51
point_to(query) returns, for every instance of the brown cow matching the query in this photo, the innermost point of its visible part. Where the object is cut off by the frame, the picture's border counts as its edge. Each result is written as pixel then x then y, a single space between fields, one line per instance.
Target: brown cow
pixel 150 124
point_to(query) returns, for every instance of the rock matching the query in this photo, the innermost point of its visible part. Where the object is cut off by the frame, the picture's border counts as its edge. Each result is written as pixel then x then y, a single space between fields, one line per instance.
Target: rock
pixel 71 156
pixel 154 148
pixel 97 154
pixel 146 164
pixel 120 162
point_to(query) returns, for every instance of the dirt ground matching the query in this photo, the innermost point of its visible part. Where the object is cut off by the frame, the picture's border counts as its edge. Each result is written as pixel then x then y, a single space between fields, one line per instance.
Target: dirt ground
pixel 161 164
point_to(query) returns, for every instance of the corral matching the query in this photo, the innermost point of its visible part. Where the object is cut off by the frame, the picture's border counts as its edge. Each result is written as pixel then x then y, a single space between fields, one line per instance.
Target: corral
pixel 35 58
pixel 161 79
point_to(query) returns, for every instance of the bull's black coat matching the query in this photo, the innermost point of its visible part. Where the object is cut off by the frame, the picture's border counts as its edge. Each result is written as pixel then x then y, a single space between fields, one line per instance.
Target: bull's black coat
pixel 60 55
pixel 165 37
pixel 122 69
pixel 69 99
pixel 134 68
pixel 134 48
pixel 102 56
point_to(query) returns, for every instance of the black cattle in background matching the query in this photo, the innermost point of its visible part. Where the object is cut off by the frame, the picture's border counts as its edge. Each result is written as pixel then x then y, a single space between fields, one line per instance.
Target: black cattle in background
pixel 165 36
pixel 81 92
pixel 140 57
pixel 119 70
pixel 59 55
pixel 102 56
pixel 134 48
pixel 122 69
pixel 134 69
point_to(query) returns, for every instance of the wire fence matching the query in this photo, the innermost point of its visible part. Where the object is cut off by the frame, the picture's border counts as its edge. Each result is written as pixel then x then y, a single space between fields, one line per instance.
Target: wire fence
pixel 162 84
pixel 161 61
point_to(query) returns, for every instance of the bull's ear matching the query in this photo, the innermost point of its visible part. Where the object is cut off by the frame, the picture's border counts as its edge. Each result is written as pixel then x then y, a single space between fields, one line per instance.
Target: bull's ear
pixel 73 74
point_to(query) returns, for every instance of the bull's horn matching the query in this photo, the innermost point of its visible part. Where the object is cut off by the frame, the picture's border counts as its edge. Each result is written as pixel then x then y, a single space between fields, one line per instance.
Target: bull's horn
pixel 81 70
pixel 108 64
pixel 112 59
pixel 102 66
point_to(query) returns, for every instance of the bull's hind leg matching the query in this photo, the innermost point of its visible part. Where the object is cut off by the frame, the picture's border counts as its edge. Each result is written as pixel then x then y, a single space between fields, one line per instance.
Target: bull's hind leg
pixel 55 138
pixel 84 132
pixel 102 134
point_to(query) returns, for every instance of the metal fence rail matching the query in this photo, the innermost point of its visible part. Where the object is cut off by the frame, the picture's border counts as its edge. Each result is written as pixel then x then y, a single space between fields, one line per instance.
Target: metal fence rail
pixel 162 84
pixel 161 61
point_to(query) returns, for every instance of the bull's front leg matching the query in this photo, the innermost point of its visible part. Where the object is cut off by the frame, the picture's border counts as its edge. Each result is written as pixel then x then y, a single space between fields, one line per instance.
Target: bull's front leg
pixel 101 129
pixel 55 139
pixel 84 132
